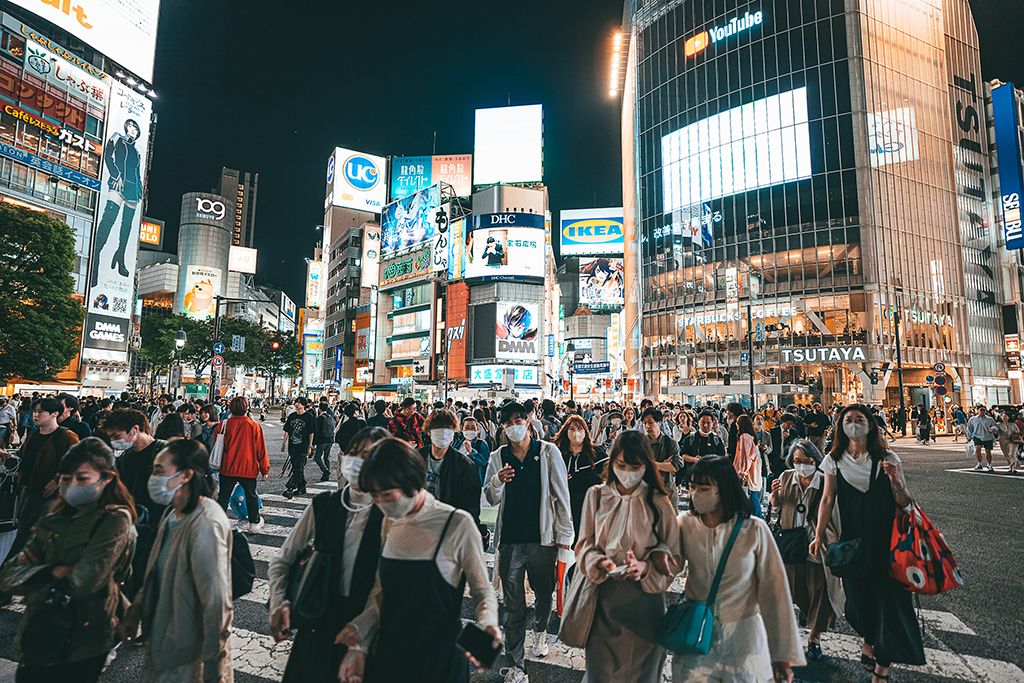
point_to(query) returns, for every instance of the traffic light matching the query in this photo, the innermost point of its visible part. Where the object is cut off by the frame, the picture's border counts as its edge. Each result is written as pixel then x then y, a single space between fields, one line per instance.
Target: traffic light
pixel 874 376
pixel 41 367
pixel 275 345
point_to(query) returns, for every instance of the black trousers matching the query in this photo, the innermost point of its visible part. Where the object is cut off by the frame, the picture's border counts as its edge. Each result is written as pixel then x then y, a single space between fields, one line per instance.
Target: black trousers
pixel 297 482
pixel 248 484
pixel 82 671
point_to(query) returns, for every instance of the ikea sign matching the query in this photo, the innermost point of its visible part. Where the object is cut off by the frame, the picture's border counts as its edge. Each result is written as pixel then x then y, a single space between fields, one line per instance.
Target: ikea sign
pixel 591 231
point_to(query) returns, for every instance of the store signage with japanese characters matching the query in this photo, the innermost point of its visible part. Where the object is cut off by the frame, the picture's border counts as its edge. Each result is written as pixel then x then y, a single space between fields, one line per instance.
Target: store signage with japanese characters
pixel 66 76
pixel 406 267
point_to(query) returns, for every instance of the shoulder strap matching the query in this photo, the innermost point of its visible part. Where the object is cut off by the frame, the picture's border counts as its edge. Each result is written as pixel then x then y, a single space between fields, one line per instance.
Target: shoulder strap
pixel 721 563
pixel 443 532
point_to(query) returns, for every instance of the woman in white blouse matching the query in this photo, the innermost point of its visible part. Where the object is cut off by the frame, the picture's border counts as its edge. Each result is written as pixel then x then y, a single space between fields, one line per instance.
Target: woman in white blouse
pixel 755 637
pixel 628 526
pixel 413 615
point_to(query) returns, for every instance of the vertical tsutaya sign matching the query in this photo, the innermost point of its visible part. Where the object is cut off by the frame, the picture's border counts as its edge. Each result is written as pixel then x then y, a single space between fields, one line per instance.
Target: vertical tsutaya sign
pixel 1011 181
pixel 115 247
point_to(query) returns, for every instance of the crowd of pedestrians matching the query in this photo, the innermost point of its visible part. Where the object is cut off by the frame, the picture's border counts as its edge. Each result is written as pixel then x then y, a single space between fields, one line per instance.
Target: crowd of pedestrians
pixel 746 504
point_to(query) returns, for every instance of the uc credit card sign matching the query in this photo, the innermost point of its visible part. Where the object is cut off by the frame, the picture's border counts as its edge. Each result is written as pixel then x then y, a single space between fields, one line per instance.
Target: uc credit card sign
pixel 591 231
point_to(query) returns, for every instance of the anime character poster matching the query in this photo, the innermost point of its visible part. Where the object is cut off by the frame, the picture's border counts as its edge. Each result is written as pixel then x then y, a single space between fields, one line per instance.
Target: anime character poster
pixel 602 283
pixel 116 241
pixel 517 331
pixel 201 285
pixel 409 221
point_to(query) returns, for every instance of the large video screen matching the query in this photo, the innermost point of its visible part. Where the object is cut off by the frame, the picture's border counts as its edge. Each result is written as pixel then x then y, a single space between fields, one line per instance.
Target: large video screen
pixel 410 174
pixel 755 145
pixel 501 253
pixel 602 283
pixel 509 145
pixel 409 221
pixel 516 331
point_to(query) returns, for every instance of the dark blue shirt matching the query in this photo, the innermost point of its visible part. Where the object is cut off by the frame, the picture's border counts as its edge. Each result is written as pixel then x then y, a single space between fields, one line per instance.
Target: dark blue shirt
pixel 520 520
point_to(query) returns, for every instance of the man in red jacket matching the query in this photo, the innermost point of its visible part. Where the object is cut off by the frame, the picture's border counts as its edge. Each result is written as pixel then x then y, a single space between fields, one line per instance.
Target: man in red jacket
pixel 245 458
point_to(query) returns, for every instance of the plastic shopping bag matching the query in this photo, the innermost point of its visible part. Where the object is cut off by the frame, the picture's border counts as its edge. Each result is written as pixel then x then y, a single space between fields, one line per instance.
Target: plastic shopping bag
pixel 566 559
pixel 970 450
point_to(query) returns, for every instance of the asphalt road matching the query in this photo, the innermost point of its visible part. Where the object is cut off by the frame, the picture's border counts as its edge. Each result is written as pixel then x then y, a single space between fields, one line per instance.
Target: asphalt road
pixel 971 634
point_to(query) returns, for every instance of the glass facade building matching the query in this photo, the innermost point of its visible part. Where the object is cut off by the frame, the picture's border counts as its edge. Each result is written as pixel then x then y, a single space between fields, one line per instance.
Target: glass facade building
pixel 799 176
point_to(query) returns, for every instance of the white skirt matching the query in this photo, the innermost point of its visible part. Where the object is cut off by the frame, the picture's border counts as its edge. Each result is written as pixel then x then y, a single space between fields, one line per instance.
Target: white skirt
pixel 739 654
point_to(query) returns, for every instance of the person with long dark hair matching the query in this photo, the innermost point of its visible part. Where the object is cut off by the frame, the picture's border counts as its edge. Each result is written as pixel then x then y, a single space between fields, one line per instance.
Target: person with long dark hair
pixel 866 480
pixel 84 546
pixel 747 462
pixel 756 636
pixel 184 605
pixel 584 463
pixel 627 521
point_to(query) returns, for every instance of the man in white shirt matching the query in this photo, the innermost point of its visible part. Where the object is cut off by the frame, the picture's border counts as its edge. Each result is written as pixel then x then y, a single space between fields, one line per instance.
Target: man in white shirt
pixel 982 430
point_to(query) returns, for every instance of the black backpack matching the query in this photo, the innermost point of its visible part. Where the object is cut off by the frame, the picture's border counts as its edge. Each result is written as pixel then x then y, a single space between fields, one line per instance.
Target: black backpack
pixel 243 570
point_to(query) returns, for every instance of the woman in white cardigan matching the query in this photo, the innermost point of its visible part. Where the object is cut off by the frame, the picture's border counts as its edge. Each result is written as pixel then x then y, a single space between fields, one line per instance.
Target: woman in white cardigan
pixel 627 522
pixel 755 637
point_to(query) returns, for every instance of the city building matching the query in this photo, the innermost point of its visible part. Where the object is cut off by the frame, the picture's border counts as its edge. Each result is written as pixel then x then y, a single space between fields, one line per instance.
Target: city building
pixel 241 188
pixel 808 182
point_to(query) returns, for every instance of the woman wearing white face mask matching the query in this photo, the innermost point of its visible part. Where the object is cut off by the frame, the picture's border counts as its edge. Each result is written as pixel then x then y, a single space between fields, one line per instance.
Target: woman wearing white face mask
pixel 452 476
pixel 866 480
pixel 472 441
pixel 613 425
pixel 346 526
pixel 413 616
pixel 184 605
pixel 628 522
pixel 83 547
pixel 755 635
pixel 584 463
pixel 797 494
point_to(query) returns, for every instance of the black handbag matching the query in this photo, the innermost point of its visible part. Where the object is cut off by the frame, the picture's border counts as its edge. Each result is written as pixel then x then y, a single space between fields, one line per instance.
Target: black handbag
pixel 793 544
pixel 46 637
pixel 309 579
pixel 848 559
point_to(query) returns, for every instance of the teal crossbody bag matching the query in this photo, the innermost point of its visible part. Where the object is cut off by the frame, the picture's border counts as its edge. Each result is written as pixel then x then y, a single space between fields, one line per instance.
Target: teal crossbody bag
pixel 687 626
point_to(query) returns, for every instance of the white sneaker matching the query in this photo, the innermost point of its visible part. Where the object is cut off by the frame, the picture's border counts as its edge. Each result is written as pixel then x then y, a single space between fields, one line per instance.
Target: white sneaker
pixel 258 526
pixel 990 468
pixel 540 646
pixel 978 467
pixel 515 675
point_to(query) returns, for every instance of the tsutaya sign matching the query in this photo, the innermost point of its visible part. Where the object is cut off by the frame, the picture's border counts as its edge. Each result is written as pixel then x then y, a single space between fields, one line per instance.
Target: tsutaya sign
pixel 825 354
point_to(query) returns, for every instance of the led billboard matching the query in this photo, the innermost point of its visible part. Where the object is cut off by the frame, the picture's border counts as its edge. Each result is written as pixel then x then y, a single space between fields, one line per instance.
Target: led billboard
pixel 202 284
pixel 314 283
pixel 516 331
pixel 409 222
pixel 591 231
pixel 411 174
pixel 602 283
pixel 115 246
pixel 755 145
pixel 242 260
pixel 151 234
pixel 495 374
pixel 509 145
pixel 1011 182
pixel 892 137
pixel 124 30
pixel 356 180
pixel 505 246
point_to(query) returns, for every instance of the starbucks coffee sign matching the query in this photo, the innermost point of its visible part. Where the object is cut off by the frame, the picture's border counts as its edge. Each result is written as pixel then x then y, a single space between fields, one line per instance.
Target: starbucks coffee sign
pixel 824 354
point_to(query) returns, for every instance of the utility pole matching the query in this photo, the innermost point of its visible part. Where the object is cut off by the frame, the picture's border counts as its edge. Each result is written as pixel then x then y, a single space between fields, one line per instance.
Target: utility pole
pixel 750 358
pixel 899 363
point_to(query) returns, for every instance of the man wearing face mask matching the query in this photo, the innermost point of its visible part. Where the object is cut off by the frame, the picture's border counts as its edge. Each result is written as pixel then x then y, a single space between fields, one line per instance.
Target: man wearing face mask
pixel 452 477
pixel 783 435
pixel 666 452
pixel 527 480
pixel 129 432
pixel 702 443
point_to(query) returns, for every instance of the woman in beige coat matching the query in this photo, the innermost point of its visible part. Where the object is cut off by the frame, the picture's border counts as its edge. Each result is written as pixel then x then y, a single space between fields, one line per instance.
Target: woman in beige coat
pixel 184 604
pixel 627 536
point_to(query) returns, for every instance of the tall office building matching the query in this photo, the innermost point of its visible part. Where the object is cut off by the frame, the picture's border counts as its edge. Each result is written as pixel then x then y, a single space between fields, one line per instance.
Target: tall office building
pixel 241 188
pixel 809 180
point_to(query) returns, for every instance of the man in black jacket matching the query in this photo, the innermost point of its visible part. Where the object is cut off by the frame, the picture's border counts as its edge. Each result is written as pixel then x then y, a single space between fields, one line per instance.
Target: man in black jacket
pixel 702 443
pixel 783 434
pixel 732 413
pixel 352 424
pixel 451 476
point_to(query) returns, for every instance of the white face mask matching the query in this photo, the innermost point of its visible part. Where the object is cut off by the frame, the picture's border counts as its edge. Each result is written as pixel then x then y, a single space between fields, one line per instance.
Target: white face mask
pixel 123 444
pixel 470 434
pixel 516 433
pixel 856 430
pixel 627 478
pixel 576 436
pixel 805 471
pixel 158 490
pixel 616 422
pixel 397 509
pixel 703 433
pixel 350 467
pixel 704 502
pixel 442 438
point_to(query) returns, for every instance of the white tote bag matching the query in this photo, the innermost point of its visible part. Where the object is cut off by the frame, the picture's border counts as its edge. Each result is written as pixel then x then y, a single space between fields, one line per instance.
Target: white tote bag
pixel 217 456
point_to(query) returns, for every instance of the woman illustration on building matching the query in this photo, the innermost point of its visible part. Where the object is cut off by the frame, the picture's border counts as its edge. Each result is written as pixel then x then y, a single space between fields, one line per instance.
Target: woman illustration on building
pixel 125 183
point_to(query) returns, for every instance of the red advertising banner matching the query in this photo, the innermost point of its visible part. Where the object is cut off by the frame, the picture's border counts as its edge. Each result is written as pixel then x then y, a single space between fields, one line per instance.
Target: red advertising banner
pixel 455 319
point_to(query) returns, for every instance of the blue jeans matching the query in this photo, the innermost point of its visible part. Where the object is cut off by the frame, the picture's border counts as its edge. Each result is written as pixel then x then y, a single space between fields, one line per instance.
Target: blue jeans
pixel 321 455
pixel 755 502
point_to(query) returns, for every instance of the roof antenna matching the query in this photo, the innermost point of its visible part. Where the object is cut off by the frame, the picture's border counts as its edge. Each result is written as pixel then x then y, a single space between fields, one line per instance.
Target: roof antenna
pixel 510 98
pixel 435 143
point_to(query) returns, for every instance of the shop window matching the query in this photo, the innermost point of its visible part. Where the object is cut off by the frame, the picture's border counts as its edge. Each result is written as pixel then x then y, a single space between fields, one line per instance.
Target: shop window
pixel 71 156
pixel 93 126
pixel 92 163
pixel 44 188
pixel 21 176
pixel 49 146
pixel 28 138
pixel 13 44
pixel 8 126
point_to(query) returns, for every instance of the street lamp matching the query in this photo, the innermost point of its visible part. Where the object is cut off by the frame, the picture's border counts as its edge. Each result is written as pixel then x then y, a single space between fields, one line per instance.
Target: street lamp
pixel 570 353
pixel 180 339
pixel 179 343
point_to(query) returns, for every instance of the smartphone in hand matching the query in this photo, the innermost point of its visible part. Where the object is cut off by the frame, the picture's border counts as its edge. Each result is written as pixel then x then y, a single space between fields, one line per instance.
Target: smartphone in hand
pixel 618 571
pixel 478 643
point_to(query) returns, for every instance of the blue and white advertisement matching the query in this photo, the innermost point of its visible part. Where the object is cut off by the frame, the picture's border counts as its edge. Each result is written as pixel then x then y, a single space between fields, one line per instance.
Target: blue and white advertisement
pixel 1004 111
pixel 494 374
pixel 591 232
pixel 409 222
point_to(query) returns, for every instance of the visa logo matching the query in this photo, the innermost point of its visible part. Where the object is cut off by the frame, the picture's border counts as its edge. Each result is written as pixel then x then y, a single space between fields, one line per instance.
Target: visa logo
pixel 593 231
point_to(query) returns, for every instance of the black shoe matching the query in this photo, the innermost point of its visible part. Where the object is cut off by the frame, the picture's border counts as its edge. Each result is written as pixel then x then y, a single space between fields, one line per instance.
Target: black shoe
pixel 803 620
pixel 288 493
pixel 326 476
pixel 814 651
pixel 301 492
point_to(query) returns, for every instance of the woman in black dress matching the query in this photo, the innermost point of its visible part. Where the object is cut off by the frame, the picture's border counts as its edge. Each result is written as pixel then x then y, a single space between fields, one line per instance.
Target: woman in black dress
pixel 584 463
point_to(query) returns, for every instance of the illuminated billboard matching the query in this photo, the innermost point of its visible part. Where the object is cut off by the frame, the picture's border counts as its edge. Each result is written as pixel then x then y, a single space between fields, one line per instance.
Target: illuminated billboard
pixel 242 260
pixel 356 180
pixel 314 284
pixel 151 233
pixel 755 145
pixel 505 246
pixel 202 284
pixel 370 264
pixel 1011 181
pixel 602 283
pixel 115 246
pixel 509 145
pixel 409 222
pixel 411 174
pixel 312 358
pixel 516 331
pixel 124 30
pixel 892 137
pixel 495 374
pixel 591 231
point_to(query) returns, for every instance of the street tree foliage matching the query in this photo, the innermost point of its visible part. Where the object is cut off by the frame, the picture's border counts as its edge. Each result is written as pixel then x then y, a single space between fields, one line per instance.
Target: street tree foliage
pixel 39 316
pixel 280 358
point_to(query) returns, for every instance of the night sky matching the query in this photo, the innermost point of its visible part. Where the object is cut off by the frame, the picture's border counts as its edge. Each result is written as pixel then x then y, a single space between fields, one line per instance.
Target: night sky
pixel 247 86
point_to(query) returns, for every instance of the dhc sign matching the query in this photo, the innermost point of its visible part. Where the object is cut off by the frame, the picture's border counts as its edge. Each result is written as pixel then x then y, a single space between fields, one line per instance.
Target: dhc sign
pixel 1004 111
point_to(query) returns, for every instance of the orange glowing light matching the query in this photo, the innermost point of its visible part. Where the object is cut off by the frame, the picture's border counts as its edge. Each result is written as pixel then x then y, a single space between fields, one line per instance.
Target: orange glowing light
pixel 697 44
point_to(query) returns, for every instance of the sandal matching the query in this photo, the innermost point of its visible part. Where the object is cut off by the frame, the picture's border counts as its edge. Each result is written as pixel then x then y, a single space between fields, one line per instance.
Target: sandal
pixel 880 676
pixel 867 662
